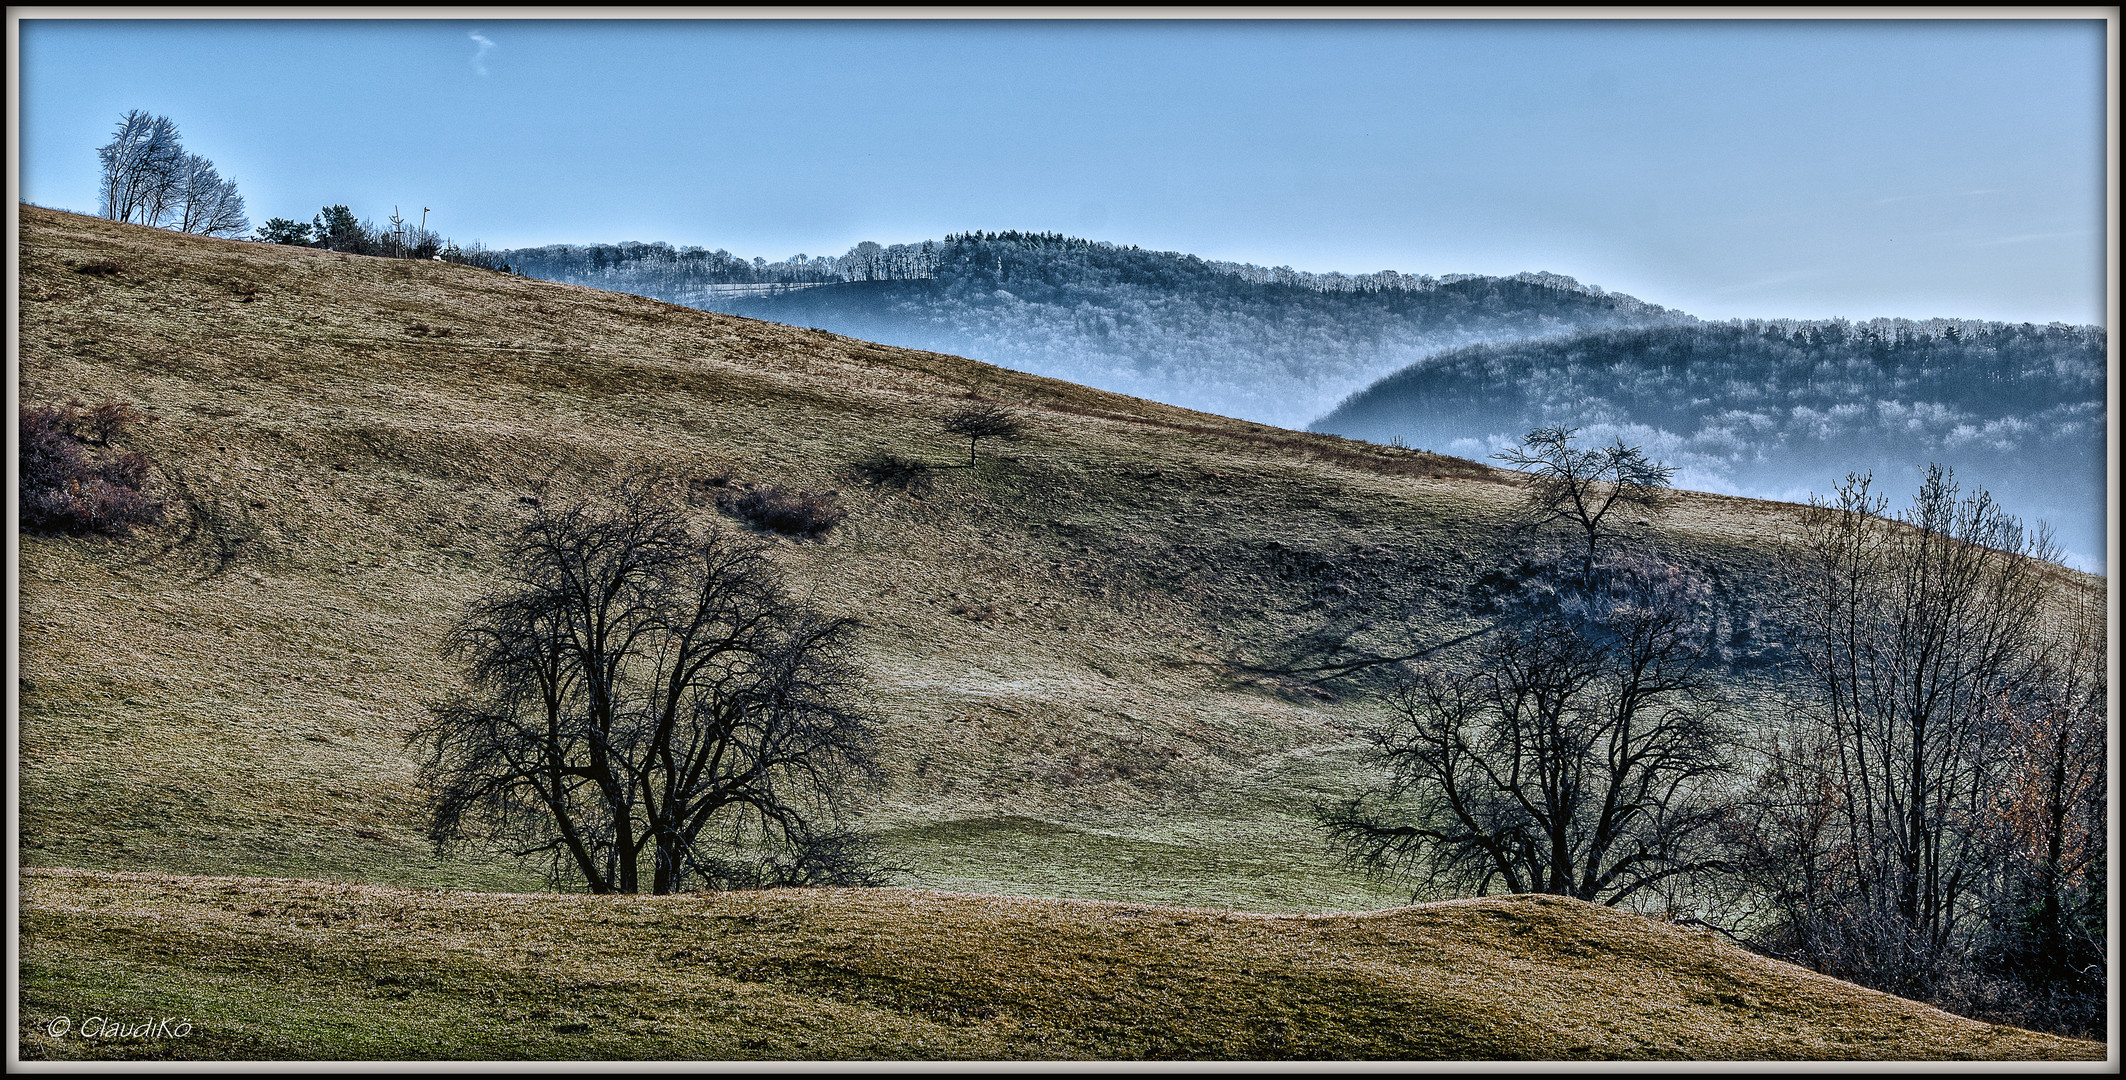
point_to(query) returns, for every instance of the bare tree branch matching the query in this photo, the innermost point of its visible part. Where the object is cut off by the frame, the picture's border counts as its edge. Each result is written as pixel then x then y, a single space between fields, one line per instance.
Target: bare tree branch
pixel 987 420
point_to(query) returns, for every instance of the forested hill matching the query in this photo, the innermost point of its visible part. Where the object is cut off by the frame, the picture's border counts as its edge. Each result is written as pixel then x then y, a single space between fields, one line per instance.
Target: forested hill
pixel 1777 409
pixel 1266 344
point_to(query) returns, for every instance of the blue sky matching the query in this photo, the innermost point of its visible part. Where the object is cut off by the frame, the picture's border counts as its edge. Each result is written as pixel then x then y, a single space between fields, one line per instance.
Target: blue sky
pixel 1727 168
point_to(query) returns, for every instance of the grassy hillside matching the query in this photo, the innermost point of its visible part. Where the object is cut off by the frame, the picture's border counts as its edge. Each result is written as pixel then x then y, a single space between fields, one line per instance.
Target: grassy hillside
pixel 1056 638
pixel 312 970
pixel 1059 641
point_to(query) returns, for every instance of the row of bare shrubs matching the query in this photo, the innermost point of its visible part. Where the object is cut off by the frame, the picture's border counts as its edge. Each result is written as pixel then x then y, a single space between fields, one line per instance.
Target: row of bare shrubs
pixel 74 480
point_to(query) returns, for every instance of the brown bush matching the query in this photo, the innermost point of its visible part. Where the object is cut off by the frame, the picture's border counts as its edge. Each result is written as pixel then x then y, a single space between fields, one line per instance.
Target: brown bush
pixel 104 420
pixel 68 489
pixel 777 509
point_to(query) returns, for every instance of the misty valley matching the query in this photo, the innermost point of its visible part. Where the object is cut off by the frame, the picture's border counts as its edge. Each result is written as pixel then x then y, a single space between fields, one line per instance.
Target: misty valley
pixel 1462 364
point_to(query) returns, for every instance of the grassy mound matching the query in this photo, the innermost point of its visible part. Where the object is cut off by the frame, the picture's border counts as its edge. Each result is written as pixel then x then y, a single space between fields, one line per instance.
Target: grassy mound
pixel 284 969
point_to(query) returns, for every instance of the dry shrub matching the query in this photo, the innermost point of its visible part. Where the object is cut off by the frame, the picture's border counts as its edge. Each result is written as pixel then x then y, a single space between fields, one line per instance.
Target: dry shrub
pixel 67 487
pixel 103 421
pixel 883 469
pixel 803 514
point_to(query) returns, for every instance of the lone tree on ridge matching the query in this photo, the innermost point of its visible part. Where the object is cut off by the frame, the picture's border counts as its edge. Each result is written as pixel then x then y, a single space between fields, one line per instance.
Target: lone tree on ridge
pixel 984 421
pixel 1581 487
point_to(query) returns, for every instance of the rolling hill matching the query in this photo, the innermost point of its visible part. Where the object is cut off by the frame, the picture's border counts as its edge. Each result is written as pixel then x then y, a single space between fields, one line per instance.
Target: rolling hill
pixel 291 970
pixel 1778 409
pixel 1270 345
pixel 1068 644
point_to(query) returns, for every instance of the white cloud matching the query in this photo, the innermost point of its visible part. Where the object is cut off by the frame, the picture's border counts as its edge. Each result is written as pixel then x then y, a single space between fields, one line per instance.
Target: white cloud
pixel 479 59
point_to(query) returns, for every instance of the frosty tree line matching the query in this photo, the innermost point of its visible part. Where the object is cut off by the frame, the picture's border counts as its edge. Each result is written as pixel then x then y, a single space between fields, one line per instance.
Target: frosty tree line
pixel 150 179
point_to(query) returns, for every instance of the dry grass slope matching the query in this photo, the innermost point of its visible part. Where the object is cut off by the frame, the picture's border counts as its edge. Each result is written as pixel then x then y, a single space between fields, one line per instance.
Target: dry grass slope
pixel 1051 635
pixel 313 970
pixel 1058 641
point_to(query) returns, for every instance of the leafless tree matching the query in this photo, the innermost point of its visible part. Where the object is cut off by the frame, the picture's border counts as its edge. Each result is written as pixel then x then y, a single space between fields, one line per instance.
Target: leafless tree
pixel 987 420
pixel 206 203
pixel 1918 630
pixel 1566 484
pixel 1580 487
pixel 2046 916
pixel 1572 750
pixel 864 262
pixel 421 243
pixel 143 165
pixel 148 178
pixel 637 693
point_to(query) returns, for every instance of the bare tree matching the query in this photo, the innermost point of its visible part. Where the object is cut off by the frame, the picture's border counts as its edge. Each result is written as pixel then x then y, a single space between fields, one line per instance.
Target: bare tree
pixel 2046 933
pixel 1924 634
pixel 206 203
pixel 198 192
pixel 1566 484
pixel 639 693
pixel 143 165
pixel 423 243
pixel 1571 750
pixel 1582 487
pixel 987 420
pixel 864 262
pixel 148 178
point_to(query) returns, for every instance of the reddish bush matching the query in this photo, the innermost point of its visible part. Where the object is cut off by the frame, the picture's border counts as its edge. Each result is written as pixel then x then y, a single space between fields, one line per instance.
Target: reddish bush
pixel 68 489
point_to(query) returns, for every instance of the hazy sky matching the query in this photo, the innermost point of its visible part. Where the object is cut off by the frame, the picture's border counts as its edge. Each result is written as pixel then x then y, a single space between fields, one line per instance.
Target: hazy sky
pixel 1727 168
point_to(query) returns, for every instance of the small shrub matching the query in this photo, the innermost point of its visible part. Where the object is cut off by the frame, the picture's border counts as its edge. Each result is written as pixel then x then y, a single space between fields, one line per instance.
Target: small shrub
pixel 717 489
pixel 777 509
pixel 65 488
pixel 882 469
pixel 105 420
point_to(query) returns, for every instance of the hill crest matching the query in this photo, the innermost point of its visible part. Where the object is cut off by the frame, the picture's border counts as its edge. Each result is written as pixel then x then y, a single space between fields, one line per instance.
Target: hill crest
pixel 1269 344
